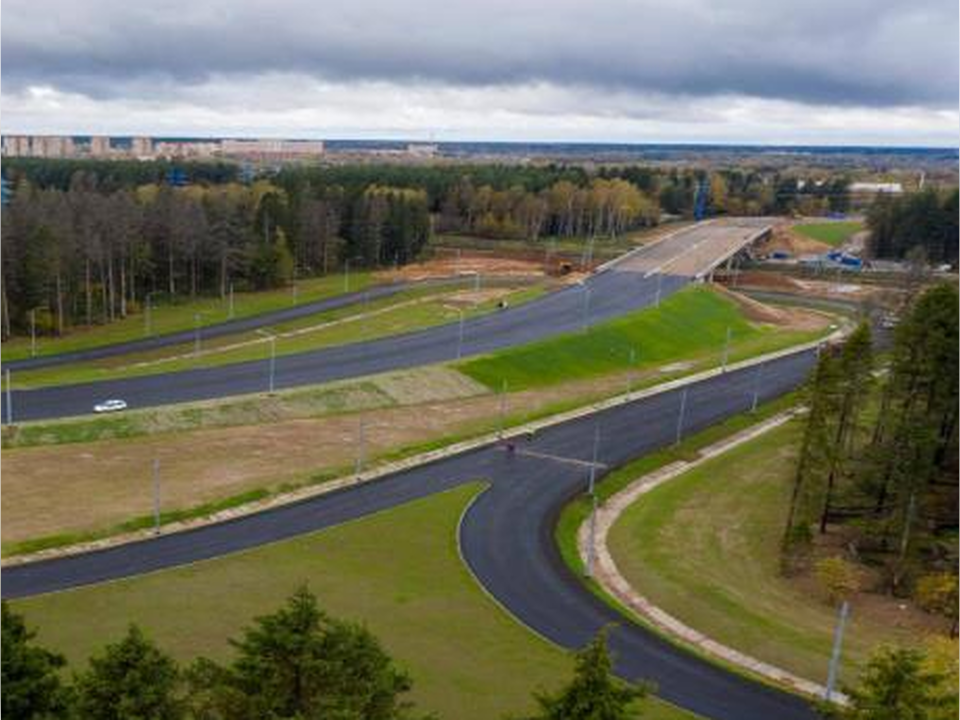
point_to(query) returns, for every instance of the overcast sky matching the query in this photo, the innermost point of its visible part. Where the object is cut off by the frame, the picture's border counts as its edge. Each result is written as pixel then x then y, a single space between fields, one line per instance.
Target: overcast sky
pixel 766 71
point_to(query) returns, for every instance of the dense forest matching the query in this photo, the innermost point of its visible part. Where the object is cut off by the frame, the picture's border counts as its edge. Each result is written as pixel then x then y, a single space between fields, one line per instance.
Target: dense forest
pixel 86 241
pixel 878 461
pixel 928 220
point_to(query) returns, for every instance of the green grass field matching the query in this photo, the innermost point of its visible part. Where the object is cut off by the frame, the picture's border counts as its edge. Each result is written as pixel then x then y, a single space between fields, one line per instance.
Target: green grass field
pixel 410 310
pixel 698 549
pixel 690 325
pixel 831 233
pixel 173 317
pixel 399 572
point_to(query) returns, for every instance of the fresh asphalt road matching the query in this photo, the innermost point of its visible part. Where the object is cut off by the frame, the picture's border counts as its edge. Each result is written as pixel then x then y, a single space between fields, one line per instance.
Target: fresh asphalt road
pixel 603 296
pixel 209 332
pixel 632 282
pixel 506 535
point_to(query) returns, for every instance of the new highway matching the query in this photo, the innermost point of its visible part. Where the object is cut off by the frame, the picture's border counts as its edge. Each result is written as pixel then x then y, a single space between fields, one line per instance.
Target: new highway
pixel 637 281
pixel 506 534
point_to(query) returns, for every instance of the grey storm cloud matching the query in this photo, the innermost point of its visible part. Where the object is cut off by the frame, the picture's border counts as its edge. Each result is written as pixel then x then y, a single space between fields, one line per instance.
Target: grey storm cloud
pixel 877 53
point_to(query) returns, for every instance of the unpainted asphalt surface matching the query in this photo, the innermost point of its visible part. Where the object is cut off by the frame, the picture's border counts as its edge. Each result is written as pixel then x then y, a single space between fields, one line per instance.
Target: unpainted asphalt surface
pixel 627 285
pixel 506 535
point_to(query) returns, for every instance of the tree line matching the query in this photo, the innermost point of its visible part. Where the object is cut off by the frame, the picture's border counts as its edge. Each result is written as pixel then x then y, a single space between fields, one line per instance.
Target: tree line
pixel 929 220
pixel 297 663
pixel 878 455
pixel 84 255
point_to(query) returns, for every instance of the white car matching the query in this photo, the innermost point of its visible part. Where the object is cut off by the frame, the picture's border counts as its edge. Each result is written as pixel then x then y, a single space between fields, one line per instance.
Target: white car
pixel 110 406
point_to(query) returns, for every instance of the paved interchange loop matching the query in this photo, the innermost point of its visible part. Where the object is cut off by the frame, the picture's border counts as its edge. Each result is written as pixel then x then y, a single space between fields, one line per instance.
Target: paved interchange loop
pixel 506 534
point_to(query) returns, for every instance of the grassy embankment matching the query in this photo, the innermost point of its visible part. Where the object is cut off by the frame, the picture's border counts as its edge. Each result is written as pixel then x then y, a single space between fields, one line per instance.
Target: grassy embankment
pixel 696 548
pixel 690 326
pixel 406 311
pixel 174 317
pixel 831 233
pixel 399 572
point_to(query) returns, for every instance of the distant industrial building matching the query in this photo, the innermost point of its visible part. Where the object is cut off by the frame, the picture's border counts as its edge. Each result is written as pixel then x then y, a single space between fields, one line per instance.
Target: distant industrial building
pixel 876 188
pixel 426 150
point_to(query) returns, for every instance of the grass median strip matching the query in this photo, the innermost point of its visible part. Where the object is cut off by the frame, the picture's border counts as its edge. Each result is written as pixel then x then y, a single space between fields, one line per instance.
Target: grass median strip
pixel 168 318
pixel 398 572
pixel 409 310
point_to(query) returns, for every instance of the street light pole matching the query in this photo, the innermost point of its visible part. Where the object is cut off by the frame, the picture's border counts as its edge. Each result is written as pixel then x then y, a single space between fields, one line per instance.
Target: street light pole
pixel 346 275
pixel 683 408
pixel 33 332
pixel 633 369
pixel 756 387
pixel 273 358
pixel 593 464
pixel 591 544
pixel 503 408
pixel 460 337
pixel 196 335
pixel 360 442
pixel 835 653
pixel 586 308
pixel 659 284
pixel 148 315
pixel 231 312
pixel 9 399
pixel 156 496
pixel 726 350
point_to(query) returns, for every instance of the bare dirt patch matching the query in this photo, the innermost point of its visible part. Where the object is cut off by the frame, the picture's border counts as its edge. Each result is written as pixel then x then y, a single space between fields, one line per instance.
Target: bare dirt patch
pixel 791 318
pixel 467 262
pixel 784 239
pixel 90 486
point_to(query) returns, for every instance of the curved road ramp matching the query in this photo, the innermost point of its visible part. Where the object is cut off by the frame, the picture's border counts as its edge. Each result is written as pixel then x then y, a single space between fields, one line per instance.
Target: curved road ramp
pixel 506 534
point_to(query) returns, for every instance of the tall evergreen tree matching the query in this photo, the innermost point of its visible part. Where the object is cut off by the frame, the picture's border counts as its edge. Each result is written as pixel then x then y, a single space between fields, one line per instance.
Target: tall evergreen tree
pixel 31 687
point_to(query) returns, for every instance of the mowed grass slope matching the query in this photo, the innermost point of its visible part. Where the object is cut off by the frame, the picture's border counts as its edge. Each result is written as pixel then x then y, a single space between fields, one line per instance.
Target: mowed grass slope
pixel 174 317
pixel 705 547
pixel 399 572
pixel 831 233
pixel 687 326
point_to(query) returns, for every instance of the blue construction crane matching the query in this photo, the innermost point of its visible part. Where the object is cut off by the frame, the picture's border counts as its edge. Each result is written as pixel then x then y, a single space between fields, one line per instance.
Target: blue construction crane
pixel 700 200
pixel 6 192
pixel 176 177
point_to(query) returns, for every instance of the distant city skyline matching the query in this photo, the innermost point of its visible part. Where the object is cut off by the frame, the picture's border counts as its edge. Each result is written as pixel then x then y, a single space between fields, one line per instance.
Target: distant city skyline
pixel 861 72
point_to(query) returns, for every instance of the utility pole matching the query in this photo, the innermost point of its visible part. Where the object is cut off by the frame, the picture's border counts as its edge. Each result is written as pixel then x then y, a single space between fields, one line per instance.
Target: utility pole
pixel 726 350
pixel 659 284
pixel 33 332
pixel 156 496
pixel 346 275
pixel 633 369
pixel 231 311
pixel 9 399
pixel 476 282
pixel 756 387
pixel 683 408
pixel 460 337
pixel 835 653
pixel 591 544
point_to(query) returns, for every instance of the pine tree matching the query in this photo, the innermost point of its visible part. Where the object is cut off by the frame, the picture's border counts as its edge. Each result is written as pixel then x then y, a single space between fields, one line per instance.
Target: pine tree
pixel 594 693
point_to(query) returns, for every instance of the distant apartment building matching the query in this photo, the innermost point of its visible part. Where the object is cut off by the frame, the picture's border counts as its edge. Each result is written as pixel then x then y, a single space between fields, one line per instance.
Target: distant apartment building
pixel 42 146
pixel 185 150
pixel 141 147
pixel 16 146
pixel 271 150
pixel 99 146
pixel 426 150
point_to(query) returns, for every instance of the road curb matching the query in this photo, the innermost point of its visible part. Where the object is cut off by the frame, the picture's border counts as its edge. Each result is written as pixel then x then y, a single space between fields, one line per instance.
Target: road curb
pixel 608 575
pixel 386 469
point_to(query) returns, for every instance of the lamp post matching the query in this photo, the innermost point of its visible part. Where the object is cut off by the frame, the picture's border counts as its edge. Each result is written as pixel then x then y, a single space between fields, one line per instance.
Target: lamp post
pixel 148 313
pixel 33 332
pixel 273 357
pixel 9 399
pixel 726 350
pixel 835 653
pixel 156 496
pixel 460 336
pixel 683 408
